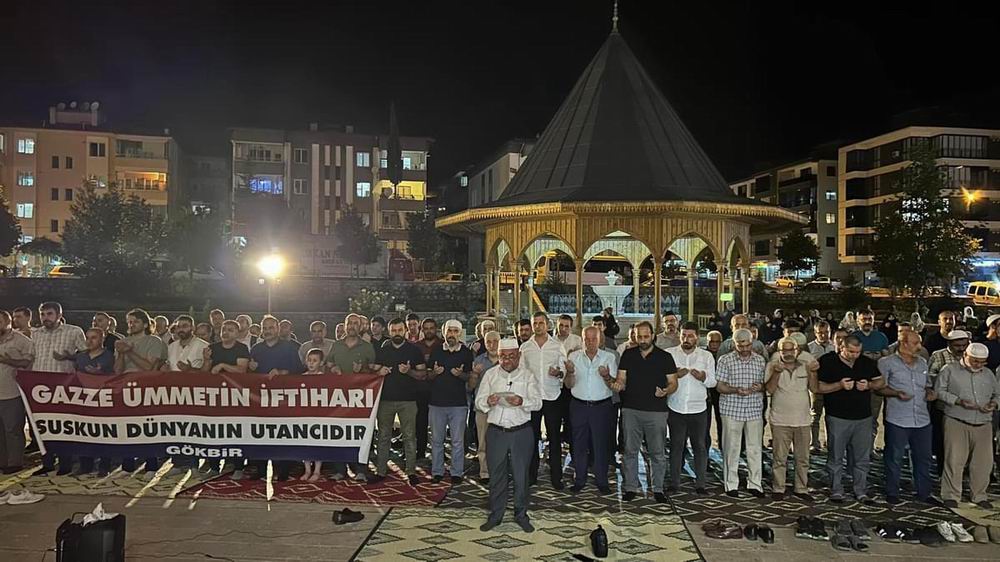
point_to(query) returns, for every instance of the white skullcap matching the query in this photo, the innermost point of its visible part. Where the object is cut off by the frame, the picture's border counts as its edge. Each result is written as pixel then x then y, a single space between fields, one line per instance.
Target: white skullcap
pixel 979 351
pixel 993 318
pixel 452 324
pixel 957 335
pixel 508 343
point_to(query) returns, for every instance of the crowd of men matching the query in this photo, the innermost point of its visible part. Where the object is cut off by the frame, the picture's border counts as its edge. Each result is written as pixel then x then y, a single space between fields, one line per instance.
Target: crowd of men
pixel 933 396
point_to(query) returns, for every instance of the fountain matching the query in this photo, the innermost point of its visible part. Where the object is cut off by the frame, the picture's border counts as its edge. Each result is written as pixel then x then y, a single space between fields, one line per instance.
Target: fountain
pixel 612 295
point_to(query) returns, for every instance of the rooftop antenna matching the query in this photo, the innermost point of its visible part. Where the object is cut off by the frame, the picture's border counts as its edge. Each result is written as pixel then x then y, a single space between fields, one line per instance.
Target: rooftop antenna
pixel 614 19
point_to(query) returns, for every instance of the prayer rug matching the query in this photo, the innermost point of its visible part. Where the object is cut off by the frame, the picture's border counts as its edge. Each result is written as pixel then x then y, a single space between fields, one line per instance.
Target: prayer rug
pixel 118 483
pixel 453 534
pixel 395 490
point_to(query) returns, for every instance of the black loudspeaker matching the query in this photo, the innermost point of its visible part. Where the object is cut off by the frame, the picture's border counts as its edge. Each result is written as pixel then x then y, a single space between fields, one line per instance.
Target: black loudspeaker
pixel 103 541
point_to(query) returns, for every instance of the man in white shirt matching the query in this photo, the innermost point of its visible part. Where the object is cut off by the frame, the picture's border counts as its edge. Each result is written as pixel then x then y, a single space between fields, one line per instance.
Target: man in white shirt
pixel 187 352
pixel 570 341
pixel 543 355
pixel 161 329
pixel 687 416
pixel 509 394
pixel 589 375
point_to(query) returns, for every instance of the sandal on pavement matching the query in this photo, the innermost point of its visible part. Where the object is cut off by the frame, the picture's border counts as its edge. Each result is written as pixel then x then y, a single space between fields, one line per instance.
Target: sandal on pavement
pixel 840 542
pixel 858 544
pixel 766 534
pixel 860 529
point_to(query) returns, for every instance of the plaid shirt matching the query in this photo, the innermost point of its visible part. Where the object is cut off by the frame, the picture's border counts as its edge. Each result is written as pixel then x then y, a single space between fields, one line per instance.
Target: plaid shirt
pixel 736 371
pixel 65 339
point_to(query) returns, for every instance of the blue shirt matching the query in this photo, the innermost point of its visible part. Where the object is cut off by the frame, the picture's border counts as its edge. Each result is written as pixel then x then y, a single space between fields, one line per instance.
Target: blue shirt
pixel 911 379
pixel 103 364
pixel 874 342
pixel 283 355
pixel 589 385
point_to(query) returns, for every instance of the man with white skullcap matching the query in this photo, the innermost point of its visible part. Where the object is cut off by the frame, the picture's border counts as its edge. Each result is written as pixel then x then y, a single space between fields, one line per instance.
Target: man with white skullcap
pixel 970 393
pixel 448 371
pixel 508 394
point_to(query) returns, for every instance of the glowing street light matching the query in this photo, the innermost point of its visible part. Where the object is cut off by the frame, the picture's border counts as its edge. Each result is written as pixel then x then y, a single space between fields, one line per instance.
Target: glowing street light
pixel 970 198
pixel 271 267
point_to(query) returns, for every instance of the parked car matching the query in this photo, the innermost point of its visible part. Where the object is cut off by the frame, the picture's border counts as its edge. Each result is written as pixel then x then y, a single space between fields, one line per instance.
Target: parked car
pixel 4 271
pixel 984 292
pixel 451 277
pixel 817 286
pixel 210 273
pixel 63 271
pixel 835 284
pixel 785 281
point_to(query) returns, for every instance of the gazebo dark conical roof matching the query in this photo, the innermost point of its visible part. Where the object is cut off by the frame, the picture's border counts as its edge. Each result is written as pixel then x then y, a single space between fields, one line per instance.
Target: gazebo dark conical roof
pixel 616 169
pixel 616 138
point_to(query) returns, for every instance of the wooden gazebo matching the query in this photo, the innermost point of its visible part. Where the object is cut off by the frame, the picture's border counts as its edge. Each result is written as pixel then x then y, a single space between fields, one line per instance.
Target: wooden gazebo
pixel 617 170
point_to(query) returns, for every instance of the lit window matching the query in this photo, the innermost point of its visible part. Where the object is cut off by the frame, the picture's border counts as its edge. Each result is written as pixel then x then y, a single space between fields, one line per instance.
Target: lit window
pixel 364 189
pixel 301 156
pixel 25 210
pixel 26 146
pixel 407 163
pixel 831 195
pixel 26 179
pixel 299 187
pixel 831 218
pixel 363 159
pixel 265 184
pixel 464 181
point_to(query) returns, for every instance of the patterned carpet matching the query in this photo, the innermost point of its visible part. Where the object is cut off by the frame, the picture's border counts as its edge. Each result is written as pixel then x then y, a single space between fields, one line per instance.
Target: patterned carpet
pixel 716 504
pixel 117 483
pixel 453 534
pixel 394 491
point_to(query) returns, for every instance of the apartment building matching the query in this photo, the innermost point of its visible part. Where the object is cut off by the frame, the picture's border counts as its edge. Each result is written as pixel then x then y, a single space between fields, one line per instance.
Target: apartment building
pixel 868 174
pixel 206 186
pixel 44 166
pixel 808 187
pixel 287 184
pixel 486 181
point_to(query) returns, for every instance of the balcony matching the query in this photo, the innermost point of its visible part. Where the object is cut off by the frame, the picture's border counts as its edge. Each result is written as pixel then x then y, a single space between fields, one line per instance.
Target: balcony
pixel 140 154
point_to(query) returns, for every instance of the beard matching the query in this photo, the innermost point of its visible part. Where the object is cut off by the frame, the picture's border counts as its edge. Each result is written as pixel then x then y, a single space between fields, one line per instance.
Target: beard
pixel 451 341
pixel 646 346
pixel 687 346
pixel 397 340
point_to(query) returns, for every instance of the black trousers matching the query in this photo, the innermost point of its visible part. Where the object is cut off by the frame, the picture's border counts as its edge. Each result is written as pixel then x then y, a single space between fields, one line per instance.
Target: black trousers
pixel 684 427
pixel 555 412
pixel 591 428
pixel 423 425
pixel 714 406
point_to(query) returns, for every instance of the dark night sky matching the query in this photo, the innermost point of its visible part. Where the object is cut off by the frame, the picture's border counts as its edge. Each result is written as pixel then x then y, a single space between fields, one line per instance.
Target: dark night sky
pixel 753 83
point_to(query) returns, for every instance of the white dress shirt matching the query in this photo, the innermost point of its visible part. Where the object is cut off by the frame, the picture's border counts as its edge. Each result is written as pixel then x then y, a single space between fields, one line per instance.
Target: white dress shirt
pixel 190 353
pixel 589 384
pixel 520 381
pixel 572 343
pixel 691 396
pixel 538 360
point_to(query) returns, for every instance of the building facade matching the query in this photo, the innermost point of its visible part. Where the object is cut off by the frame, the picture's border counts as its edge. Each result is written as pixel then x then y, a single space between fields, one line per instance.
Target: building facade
pixel 808 187
pixel 44 168
pixel 206 185
pixel 868 174
pixel 486 182
pixel 286 184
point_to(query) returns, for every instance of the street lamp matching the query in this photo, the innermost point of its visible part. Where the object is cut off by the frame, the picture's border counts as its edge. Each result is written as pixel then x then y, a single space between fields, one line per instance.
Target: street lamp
pixel 970 198
pixel 271 267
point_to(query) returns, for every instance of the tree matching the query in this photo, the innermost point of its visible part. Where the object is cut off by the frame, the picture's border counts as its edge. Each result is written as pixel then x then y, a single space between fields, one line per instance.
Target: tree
pixel 42 247
pixel 797 252
pixel 195 242
pixel 355 242
pixel 112 239
pixel 918 242
pixel 10 229
pixel 425 243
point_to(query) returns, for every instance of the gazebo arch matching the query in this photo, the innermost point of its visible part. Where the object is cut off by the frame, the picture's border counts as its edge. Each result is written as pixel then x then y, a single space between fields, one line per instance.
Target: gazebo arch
pixel 616 157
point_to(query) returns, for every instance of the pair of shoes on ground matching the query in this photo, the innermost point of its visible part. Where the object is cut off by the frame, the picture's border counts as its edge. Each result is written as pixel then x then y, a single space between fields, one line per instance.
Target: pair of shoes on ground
pixel 755 531
pixel 718 529
pixel 953 504
pixel 810 528
pixel 984 534
pixel 20 497
pixel 895 533
pixel 347 516
pixel 851 535
pixel 954 532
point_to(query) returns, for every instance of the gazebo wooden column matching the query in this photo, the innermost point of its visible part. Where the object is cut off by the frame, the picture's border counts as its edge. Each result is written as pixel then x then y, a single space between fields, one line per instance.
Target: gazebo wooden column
pixel 578 264
pixel 720 287
pixel 635 289
pixel 690 275
pixel 490 272
pixel 746 290
pixel 657 291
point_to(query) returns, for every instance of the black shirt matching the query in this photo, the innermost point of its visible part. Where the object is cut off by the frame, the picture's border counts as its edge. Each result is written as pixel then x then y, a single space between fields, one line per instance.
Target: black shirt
pixel 851 404
pixel 228 356
pixel 935 342
pixel 399 387
pixel 447 390
pixel 109 342
pixel 643 375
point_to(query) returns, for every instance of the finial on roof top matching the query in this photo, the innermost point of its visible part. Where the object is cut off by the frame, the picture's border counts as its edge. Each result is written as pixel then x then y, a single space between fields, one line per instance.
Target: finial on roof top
pixel 614 19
